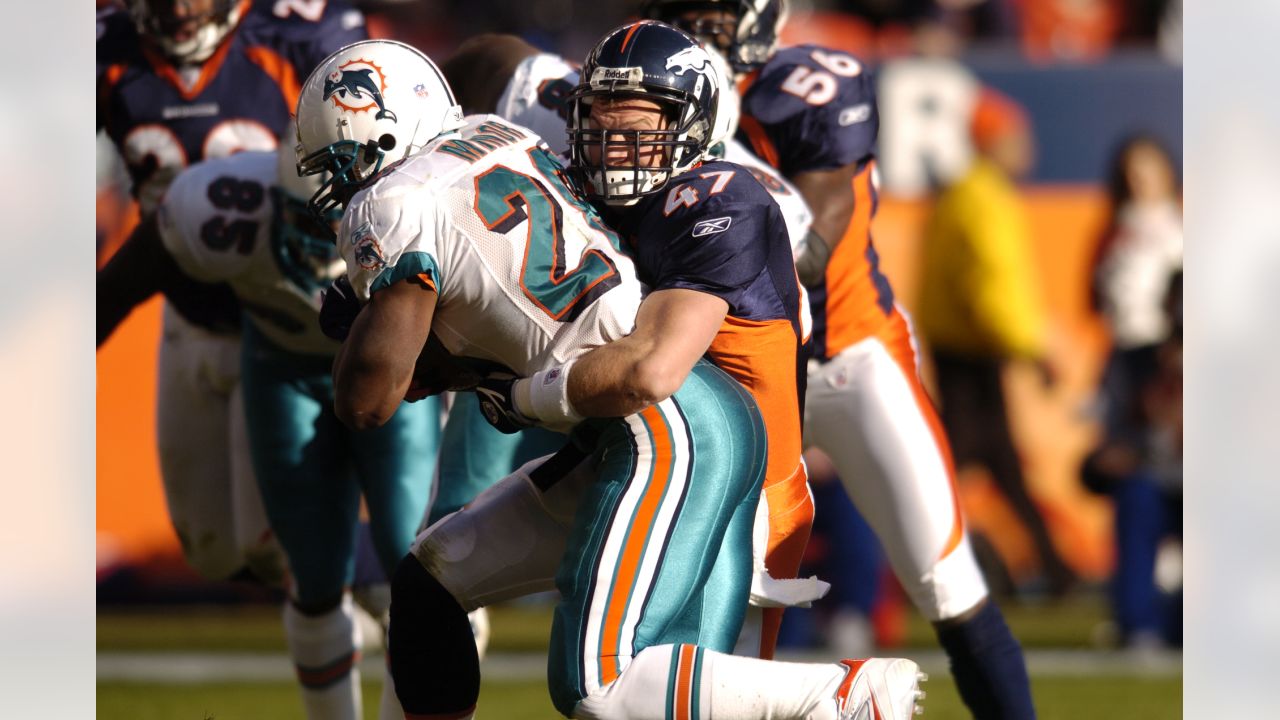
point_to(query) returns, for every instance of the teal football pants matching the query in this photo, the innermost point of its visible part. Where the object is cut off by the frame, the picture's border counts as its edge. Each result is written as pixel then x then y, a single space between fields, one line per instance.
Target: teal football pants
pixel 312 469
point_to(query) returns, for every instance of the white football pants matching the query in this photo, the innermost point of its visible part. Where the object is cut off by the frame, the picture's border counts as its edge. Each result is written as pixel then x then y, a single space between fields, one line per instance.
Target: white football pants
pixel 868 411
pixel 209 486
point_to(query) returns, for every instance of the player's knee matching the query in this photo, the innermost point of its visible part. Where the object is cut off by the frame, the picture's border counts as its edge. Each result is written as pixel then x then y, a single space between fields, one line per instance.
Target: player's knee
pixel 266 563
pixel 212 559
pixel 432 651
pixel 953 587
pixel 417 597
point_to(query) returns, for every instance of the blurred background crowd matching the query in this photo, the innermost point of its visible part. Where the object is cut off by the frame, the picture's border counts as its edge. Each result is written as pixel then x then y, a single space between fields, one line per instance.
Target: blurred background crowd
pixel 1030 216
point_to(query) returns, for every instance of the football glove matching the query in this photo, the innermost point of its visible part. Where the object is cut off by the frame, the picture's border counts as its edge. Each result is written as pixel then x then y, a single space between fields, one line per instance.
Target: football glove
pixel 496 395
pixel 338 309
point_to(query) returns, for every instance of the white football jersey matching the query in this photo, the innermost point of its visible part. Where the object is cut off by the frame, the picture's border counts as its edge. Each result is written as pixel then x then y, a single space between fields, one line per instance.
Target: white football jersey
pixel 215 221
pixel 527 276
pixel 535 98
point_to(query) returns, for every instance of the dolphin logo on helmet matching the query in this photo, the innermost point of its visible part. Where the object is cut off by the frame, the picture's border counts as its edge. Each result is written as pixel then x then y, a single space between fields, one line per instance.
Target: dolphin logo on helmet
pixel 358 84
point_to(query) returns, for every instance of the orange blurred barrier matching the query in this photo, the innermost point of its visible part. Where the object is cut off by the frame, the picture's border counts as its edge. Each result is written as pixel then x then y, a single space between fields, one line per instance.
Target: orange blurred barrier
pixel 133 523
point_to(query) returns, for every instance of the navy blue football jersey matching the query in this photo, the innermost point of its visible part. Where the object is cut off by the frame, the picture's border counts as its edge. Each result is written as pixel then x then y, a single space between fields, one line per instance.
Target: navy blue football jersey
pixel 163 118
pixel 716 229
pixel 810 108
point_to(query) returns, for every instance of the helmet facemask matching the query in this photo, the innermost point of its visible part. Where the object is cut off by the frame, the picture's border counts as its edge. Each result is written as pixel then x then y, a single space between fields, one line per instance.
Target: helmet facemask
pixel 744 31
pixel 303 244
pixel 187 31
pixel 349 166
pixel 652 156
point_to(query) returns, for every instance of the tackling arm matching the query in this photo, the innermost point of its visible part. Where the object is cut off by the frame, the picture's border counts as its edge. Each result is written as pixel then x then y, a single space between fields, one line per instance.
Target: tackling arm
pixel 674 328
pixel 375 365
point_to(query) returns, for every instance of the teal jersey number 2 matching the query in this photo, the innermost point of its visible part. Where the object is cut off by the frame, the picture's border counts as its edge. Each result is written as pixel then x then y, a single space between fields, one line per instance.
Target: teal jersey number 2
pixel 506 198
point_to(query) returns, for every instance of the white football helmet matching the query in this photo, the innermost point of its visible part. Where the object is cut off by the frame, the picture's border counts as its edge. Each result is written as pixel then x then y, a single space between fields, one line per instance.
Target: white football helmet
pixel 364 107
pixel 729 106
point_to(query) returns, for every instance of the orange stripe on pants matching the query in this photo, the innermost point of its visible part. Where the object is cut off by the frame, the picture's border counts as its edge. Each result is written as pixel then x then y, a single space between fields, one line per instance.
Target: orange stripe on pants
pixel 684 684
pixel 634 546
pixel 895 335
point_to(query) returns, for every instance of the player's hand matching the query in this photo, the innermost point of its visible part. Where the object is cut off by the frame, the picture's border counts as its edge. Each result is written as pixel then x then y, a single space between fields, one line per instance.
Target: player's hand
pixel 496 394
pixel 338 309
pixel 437 371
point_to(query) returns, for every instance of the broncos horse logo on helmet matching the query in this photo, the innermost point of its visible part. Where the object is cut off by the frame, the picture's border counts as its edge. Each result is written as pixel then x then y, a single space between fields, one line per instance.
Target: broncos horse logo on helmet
pixel 691 59
pixel 651 61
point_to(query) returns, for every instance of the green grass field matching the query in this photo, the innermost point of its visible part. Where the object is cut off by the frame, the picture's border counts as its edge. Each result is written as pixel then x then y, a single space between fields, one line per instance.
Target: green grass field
pixel 1109 694
pixel 1057 698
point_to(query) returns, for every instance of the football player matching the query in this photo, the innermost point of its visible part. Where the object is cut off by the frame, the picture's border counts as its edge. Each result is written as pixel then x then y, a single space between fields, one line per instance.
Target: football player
pixel 537 96
pixel 469 230
pixel 243 220
pixel 811 113
pixel 179 81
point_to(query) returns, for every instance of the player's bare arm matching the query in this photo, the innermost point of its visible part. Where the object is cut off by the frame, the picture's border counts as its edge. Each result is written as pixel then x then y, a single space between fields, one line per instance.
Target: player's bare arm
pixel 673 329
pixel 132 276
pixel 829 193
pixel 375 366
pixel 141 268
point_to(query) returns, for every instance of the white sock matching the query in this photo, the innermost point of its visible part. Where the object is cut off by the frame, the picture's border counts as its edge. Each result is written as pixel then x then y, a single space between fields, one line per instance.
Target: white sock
pixel 325 652
pixel 373 612
pixel 724 686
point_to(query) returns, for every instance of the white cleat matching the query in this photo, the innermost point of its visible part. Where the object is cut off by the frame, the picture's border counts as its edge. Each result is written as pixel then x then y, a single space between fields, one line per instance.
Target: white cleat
pixel 880 689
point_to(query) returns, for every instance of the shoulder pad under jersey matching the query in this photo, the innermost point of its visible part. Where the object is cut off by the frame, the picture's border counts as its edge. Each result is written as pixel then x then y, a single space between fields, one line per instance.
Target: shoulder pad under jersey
pixel 815 107
pixel 303 31
pixel 709 229
pixel 384 239
pixel 215 212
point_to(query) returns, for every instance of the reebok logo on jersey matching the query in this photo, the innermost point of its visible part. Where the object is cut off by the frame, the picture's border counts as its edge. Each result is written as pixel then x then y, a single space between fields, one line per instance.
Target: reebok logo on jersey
pixel 712 226
pixel 855 114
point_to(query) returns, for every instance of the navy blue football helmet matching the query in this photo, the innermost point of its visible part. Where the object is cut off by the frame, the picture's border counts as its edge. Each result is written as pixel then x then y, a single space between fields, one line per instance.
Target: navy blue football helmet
pixel 654 62
pixel 745 31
